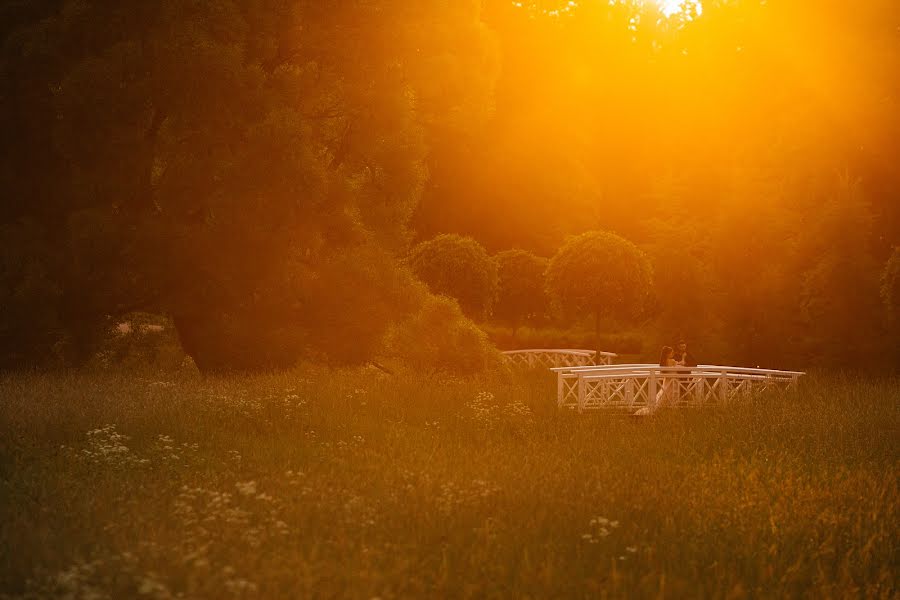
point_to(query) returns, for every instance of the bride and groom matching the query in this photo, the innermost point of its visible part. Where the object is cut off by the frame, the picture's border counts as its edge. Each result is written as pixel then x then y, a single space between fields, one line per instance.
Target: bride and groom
pixel 670 389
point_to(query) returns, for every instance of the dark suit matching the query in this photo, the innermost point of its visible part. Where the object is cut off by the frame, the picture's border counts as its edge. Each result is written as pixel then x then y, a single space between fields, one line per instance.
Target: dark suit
pixel 688 359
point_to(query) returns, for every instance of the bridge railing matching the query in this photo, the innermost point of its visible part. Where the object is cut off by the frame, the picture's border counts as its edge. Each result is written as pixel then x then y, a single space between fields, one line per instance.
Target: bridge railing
pixel 636 385
pixel 558 358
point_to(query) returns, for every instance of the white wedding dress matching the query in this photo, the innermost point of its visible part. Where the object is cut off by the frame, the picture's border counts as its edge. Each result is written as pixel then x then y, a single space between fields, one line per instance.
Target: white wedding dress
pixel 665 397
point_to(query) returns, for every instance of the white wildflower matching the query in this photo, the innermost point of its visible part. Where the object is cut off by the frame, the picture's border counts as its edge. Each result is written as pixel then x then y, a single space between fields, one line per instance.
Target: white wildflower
pixel 247 488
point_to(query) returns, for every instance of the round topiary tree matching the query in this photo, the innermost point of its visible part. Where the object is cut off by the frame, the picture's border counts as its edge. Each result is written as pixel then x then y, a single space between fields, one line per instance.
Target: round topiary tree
pixel 522 295
pixel 600 273
pixel 459 267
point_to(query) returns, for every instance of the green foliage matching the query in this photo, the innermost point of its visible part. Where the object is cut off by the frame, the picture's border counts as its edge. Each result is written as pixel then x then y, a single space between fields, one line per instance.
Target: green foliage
pixel 522 296
pixel 328 306
pixel 890 288
pixel 225 164
pixel 602 274
pixel 435 487
pixel 624 343
pixel 685 298
pixel 840 285
pixel 437 338
pixel 459 267
pixel 30 319
pixel 141 342
pixel 244 170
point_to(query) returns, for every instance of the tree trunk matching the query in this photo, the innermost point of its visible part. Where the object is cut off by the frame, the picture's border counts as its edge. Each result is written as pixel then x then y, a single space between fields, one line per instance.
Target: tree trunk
pixel 234 343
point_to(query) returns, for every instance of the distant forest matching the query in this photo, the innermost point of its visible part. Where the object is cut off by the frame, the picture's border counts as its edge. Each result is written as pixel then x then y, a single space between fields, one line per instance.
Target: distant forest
pixel 258 171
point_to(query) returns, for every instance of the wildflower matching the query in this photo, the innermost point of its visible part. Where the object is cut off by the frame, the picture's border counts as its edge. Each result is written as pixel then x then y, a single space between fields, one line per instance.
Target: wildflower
pixel 247 488
pixel 240 586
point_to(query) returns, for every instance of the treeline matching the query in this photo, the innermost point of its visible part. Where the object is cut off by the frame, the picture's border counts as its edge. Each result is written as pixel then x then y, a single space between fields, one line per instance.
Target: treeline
pixel 259 170
pixel 602 281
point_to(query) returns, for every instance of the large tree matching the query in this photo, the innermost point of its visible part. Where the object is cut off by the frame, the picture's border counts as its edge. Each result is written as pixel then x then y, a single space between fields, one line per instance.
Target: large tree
pixel 249 168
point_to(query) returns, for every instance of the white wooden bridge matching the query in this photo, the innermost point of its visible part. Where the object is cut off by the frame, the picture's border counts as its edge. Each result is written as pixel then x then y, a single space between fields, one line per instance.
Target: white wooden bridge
pixel 634 386
pixel 559 357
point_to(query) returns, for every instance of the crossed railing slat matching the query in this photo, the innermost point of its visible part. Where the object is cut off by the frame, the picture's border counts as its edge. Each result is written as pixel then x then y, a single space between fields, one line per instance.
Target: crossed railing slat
pixel 636 385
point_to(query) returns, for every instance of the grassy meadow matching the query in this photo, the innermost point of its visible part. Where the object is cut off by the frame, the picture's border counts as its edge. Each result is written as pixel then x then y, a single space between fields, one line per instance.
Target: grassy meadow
pixel 323 484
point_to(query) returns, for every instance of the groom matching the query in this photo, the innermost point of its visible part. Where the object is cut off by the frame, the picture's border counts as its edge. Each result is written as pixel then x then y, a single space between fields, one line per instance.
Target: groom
pixel 682 356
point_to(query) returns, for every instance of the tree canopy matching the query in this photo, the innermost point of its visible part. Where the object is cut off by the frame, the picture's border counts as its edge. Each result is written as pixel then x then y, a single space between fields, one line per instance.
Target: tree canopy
pixel 458 267
pixel 602 274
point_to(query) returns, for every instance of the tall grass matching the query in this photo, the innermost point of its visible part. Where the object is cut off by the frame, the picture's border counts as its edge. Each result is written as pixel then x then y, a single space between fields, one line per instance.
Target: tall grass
pixel 361 485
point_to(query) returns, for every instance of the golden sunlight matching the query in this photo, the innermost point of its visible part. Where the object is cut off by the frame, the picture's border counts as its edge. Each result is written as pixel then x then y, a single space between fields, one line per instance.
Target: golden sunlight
pixel 669 7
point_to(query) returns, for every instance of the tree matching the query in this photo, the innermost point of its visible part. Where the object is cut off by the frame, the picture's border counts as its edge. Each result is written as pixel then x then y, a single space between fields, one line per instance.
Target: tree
pixel 522 295
pixel 29 321
pixel 839 296
pixel 890 289
pixel 600 273
pixel 458 267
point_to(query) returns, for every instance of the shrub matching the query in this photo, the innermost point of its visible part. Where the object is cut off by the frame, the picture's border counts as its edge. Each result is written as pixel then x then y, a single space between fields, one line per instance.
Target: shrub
pixel 437 337
pixel 335 311
pixel 140 341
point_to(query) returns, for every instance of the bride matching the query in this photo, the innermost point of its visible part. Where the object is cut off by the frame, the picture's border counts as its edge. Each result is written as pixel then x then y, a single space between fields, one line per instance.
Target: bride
pixel 666 394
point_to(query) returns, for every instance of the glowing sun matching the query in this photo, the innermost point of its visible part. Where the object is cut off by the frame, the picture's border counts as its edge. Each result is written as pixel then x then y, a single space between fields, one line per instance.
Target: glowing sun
pixel 669 7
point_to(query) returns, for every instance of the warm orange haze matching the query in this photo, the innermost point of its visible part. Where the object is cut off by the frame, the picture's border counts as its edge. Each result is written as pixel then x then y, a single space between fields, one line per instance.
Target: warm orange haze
pixel 472 299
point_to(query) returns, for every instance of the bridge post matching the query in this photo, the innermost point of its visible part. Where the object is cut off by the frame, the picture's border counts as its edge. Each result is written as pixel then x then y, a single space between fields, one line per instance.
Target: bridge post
pixel 560 389
pixel 581 398
pixel 723 387
pixel 629 391
pixel 651 390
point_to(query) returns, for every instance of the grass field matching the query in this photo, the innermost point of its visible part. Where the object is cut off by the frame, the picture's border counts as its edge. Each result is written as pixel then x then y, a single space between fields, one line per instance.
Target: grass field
pixel 359 485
